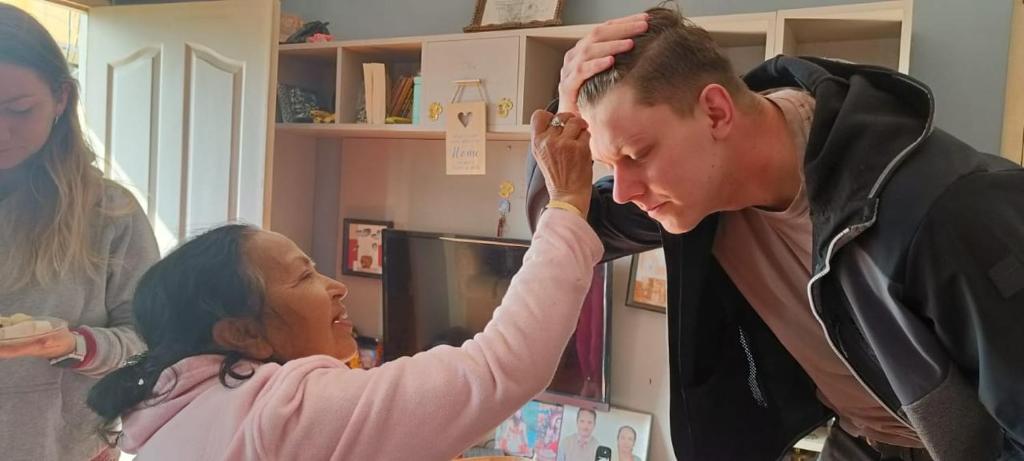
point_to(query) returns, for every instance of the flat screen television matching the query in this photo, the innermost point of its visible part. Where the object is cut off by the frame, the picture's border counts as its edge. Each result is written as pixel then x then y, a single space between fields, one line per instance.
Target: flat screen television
pixel 443 289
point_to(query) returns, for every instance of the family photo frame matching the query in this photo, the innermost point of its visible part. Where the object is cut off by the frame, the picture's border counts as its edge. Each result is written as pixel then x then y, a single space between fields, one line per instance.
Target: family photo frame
pixel 551 432
pixel 515 14
pixel 363 247
pixel 648 281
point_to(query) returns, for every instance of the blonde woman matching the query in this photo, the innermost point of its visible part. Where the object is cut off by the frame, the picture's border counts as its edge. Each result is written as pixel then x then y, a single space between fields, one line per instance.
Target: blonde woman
pixel 72 245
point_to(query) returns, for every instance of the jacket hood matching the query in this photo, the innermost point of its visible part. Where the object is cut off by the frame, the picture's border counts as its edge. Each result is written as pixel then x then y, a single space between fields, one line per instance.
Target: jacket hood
pixel 177 387
pixel 867 120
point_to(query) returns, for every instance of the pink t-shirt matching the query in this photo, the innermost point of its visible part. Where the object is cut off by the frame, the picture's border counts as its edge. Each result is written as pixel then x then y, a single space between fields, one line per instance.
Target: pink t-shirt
pixel 768 256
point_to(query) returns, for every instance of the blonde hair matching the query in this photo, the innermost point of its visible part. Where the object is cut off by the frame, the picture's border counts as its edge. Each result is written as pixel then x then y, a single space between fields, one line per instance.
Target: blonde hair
pixel 59 207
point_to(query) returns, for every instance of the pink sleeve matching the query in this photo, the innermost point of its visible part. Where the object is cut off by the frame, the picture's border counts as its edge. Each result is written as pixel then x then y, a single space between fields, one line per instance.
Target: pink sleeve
pixel 437 403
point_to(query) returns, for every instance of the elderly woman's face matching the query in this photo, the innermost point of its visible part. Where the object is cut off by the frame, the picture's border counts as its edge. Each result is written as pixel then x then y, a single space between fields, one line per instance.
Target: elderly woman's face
pixel 303 313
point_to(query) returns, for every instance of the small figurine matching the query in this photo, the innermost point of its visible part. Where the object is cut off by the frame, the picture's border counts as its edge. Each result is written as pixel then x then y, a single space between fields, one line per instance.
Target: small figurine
pixel 321 116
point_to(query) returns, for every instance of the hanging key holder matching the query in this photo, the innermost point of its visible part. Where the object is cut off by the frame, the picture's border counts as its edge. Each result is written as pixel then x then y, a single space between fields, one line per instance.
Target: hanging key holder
pixel 504 206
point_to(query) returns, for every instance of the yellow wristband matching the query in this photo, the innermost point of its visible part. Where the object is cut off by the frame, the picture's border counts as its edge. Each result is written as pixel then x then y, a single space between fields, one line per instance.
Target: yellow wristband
pixel 565 206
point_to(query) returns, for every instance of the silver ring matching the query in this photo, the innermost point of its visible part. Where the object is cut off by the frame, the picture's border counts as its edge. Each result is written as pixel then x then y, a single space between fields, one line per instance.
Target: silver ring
pixel 557 122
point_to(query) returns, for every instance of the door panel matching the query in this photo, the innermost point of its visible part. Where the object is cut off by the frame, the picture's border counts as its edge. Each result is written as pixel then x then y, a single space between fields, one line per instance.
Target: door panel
pixel 177 100
pixel 133 86
pixel 494 61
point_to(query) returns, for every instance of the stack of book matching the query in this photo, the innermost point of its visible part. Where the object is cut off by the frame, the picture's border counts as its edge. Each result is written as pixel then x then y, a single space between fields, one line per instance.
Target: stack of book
pixel 400 105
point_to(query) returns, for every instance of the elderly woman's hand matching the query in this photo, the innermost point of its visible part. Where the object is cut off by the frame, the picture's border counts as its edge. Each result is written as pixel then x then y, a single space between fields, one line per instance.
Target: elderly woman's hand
pixel 561 146
pixel 594 54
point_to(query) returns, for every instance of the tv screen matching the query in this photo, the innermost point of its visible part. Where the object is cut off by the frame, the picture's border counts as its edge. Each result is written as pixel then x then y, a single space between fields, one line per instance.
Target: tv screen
pixel 443 289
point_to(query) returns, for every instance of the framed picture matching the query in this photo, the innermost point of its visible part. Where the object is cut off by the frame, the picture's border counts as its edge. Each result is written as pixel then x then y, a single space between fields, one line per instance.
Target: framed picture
pixel 533 432
pixel 363 244
pixel 648 281
pixel 515 14
pixel 614 434
pixel 369 352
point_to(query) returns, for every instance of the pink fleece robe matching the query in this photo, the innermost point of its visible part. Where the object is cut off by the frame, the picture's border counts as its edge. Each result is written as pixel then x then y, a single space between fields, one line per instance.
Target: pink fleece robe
pixel 427 407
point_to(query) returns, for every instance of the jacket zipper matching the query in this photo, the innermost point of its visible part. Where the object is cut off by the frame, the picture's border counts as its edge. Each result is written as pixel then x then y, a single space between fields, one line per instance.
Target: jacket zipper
pixel 859 228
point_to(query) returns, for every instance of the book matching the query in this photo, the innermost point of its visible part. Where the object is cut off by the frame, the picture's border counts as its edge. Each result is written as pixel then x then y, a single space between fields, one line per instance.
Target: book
pixel 417 86
pixel 376 87
pixel 400 101
pixel 401 91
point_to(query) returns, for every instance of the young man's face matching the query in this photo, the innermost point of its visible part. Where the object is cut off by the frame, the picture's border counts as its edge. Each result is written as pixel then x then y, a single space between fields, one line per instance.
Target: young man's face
pixel 585 422
pixel 668 165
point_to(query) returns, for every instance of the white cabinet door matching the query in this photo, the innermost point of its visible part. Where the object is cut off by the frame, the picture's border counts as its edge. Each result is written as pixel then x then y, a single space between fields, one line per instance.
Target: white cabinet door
pixel 495 61
pixel 177 100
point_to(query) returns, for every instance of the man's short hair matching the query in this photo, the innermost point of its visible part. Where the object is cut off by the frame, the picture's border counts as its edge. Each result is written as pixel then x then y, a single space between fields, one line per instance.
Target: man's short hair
pixel 670 63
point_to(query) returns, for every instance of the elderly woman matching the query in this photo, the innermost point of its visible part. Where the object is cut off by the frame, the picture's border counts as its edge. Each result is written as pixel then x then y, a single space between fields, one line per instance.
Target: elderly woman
pixel 247 344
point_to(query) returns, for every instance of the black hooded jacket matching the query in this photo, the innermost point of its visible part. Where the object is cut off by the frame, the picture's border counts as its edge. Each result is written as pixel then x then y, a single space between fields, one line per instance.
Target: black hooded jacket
pixel 917 281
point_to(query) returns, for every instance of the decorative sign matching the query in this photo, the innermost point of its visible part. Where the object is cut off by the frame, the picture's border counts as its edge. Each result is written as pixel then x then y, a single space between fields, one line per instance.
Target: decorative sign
pixel 466 134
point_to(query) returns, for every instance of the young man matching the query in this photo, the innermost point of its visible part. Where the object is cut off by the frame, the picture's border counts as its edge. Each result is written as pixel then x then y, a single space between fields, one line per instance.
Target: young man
pixel 581 446
pixel 830 252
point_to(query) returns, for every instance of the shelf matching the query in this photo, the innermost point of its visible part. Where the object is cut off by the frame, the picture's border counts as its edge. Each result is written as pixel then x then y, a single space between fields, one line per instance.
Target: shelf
pixel 400 57
pixel 832 30
pixel 877 33
pixel 361 130
pixel 313 68
pixel 314 50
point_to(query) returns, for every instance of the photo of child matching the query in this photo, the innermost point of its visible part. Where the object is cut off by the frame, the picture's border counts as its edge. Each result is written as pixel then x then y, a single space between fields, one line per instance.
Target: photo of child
pixel 362 245
pixel 369 352
pixel 513 436
pixel 549 430
pixel 533 431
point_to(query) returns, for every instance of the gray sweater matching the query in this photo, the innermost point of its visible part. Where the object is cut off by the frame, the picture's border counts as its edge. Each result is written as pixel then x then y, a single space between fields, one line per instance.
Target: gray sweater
pixel 43 415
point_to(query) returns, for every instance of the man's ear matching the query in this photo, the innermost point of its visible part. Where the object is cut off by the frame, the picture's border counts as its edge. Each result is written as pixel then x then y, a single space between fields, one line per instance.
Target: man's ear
pixel 716 103
pixel 242 335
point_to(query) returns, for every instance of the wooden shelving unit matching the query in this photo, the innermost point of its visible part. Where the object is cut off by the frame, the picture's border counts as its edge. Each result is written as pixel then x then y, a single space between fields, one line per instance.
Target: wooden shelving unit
pixel 398 131
pixel 522 68
pixel 870 33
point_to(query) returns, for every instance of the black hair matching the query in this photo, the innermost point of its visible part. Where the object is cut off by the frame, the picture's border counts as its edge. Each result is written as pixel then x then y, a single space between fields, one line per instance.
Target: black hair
pixel 176 304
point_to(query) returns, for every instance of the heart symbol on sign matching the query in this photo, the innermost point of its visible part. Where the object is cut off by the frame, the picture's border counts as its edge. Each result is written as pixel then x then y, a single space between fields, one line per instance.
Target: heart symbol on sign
pixel 464 118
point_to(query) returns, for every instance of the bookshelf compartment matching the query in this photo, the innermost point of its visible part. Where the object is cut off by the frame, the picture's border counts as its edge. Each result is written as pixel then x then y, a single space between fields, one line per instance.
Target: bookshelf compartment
pixel 313 68
pixel 399 59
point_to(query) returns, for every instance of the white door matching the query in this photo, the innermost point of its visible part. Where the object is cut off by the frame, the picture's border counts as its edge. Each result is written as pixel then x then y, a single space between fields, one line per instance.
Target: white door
pixel 178 104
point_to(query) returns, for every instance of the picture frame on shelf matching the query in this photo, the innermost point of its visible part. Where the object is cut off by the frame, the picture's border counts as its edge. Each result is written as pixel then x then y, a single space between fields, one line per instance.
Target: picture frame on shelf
pixel 370 351
pixel 648 281
pixel 515 14
pixel 363 247
pixel 533 432
pixel 614 434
